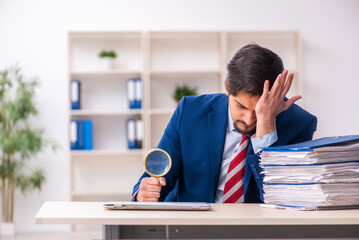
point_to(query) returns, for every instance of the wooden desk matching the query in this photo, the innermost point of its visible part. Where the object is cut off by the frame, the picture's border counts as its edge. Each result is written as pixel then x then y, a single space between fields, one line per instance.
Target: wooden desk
pixel 222 221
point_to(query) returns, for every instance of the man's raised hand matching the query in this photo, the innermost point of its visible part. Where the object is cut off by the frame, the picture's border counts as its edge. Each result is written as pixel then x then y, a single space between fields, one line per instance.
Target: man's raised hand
pixel 271 103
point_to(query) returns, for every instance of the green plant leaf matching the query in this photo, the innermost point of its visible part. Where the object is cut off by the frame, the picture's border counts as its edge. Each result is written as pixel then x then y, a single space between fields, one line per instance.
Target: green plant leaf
pixel 109 54
pixel 182 91
pixel 30 183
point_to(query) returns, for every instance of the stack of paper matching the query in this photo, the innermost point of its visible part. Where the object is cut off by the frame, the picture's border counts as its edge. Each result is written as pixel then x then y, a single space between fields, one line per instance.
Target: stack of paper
pixel 322 172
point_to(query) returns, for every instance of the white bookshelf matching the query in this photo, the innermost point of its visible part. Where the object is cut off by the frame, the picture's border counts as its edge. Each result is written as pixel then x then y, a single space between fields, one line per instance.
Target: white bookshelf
pixel 119 153
pixel 108 171
pixel 105 72
pixel 163 60
pixel 106 112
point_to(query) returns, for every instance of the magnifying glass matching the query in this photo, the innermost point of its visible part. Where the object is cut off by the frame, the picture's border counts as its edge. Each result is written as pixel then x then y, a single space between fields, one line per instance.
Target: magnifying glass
pixel 157 162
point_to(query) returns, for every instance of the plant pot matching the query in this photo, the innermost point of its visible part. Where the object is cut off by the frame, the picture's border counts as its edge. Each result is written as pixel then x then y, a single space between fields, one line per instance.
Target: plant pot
pixel 7 229
pixel 107 63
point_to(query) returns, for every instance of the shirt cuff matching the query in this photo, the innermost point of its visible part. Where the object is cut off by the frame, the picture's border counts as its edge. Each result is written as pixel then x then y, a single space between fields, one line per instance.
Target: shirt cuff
pixel 133 198
pixel 260 143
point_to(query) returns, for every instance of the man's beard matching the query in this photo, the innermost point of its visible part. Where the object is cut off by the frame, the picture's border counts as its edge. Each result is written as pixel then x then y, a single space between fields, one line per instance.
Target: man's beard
pixel 243 131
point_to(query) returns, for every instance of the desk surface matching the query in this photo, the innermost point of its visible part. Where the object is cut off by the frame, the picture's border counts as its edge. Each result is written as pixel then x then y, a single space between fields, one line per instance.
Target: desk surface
pixel 220 214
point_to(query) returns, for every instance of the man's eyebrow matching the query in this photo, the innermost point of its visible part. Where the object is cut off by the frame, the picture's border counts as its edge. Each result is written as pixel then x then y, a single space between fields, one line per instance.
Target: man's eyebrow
pixel 240 104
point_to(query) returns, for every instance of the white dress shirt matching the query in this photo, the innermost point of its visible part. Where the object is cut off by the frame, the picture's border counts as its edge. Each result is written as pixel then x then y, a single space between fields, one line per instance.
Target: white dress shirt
pixel 231 145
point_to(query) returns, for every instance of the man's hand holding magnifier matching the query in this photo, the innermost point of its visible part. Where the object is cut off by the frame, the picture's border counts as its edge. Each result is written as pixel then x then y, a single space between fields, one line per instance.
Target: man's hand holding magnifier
pixel 156 163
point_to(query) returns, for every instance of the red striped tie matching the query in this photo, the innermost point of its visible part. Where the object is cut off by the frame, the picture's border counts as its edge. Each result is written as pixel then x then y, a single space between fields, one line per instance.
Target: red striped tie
pixel 233 188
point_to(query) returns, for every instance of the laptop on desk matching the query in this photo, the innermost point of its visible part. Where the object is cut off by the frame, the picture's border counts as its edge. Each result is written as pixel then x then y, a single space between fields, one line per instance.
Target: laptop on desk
pixel 180 206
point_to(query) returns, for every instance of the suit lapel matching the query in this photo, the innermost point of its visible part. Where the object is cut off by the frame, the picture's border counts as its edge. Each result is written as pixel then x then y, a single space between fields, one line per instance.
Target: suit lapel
pixel 217 122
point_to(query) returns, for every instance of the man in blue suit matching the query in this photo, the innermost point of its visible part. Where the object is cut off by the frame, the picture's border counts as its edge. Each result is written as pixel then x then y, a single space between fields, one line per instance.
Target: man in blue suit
pixel 206 131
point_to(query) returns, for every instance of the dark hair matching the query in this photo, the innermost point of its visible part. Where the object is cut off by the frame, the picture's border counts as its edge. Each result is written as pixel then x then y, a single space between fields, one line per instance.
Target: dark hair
pixel 250 67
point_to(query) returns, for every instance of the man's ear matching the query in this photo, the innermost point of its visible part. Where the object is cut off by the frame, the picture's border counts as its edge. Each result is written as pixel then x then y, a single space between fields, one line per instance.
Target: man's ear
pixel 226 86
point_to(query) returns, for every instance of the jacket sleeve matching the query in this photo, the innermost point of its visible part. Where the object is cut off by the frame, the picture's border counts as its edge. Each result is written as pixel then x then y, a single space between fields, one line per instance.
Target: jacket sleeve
pixel 171 143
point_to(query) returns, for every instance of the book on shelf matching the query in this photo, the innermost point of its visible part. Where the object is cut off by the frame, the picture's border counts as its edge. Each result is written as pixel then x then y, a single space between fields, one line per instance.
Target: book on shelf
pixel 321 174
pixel 81 134
pixel 88 135
pixel 134 131
pixel 73 135
pixel 139 133
pixel 75 94
pixel 138 93
pixel 134 93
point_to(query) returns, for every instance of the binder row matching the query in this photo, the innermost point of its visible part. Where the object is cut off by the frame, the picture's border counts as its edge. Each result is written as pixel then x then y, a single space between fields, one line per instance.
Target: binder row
pixel 81 130
pixel 81 134
pixel 134 93
pixel 134 131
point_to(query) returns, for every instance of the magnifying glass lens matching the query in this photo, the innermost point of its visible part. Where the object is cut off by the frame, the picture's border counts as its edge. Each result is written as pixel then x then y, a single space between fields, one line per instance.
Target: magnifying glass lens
pixel 157 162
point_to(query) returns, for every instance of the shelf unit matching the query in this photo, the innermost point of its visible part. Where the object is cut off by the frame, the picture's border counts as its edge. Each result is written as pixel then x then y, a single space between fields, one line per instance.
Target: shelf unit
pixel 106 172
pixel 163 60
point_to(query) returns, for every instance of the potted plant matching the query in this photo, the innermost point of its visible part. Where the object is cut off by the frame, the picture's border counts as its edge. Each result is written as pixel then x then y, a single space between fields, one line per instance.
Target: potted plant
pixel 107 59
pixel 20 142
pixel 181 91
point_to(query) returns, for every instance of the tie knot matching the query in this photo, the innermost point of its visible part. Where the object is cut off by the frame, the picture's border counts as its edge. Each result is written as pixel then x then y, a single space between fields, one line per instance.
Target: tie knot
pixel 245 137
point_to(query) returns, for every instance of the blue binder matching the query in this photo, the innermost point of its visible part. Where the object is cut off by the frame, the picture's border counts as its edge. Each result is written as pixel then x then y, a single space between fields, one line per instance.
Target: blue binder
pixel 131 93
pixel 80 135
pixel 131 133
pixel 138 93
pixel 87 125
pixel 139 133
pixel 73 135
pixel 308 146
pixel 134 93
pixel 75 91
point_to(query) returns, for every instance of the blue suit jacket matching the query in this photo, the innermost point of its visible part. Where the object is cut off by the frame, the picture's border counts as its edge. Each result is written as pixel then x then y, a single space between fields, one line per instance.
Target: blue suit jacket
pixel 194 138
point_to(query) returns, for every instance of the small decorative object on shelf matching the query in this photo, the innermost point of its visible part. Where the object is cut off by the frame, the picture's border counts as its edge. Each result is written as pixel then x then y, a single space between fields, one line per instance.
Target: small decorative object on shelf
pixel 107 59
pixel 182 91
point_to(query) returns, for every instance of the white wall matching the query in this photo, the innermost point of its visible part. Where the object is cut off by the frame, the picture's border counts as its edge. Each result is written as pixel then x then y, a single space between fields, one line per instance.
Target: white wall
pixel 33 34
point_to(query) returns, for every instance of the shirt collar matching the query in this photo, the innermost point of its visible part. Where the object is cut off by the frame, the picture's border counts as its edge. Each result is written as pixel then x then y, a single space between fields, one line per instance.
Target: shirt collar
pixel 230 121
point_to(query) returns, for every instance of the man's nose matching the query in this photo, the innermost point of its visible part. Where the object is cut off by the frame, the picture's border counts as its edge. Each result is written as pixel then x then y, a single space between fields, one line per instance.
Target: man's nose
pixel 250 118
